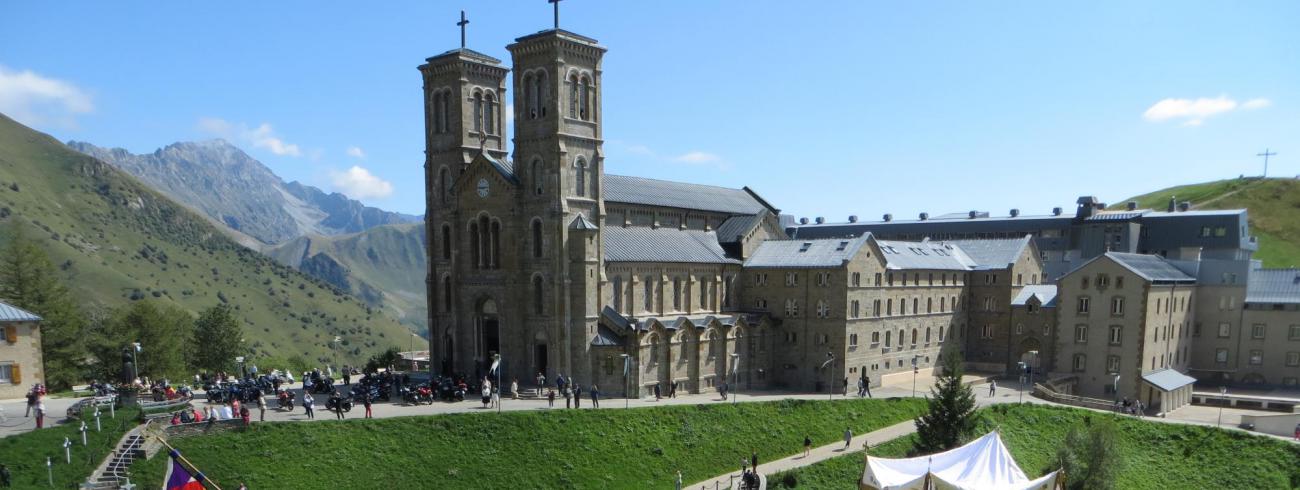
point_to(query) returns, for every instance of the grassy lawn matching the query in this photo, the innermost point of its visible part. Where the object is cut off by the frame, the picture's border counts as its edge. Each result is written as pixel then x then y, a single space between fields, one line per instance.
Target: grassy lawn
pixel 638 448
pixel 25 453
pixel 1157 455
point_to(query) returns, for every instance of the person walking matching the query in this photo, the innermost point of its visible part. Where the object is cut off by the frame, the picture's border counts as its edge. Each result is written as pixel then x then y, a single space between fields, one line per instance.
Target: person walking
pixel 679 479
pixel 541 383
pixel 722 390
pixel 40 411
pixel 486 393
pixel 568 397
pixel 672 390
pixel 550 398
pixel 307 405
pixel 5 477
pixel 367 401
pixel 993 386
pixel 846 386
pixel 336 400
pixel 807 446
pixel 31 402
pixel 514 389
pixel 595 398
pixel 656 391
pixel 261 409
pixel 753 460
pixel 848 437
pixel 1297 432
pixel 347 376
pixel 577 395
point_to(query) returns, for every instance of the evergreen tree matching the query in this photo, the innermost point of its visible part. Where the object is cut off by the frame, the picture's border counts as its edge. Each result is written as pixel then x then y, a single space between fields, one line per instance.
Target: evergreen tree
pixel 29 281
pixel 162 330
pixel 1090 457
pixel 218 339
pixel 950 418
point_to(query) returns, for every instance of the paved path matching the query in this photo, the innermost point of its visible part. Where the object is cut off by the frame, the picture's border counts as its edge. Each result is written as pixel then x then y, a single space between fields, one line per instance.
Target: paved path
pixel 817 454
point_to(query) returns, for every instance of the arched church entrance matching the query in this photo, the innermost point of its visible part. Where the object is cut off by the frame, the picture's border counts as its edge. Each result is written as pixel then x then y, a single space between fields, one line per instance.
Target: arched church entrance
pixel 539 354
pixel 488 323
pixel 1030 353
pixel 448 354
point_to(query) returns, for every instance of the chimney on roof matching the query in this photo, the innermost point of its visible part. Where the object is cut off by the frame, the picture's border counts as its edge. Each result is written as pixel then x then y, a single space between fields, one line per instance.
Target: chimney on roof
pixel 1131 206
pixel 1173 203
pixel 820 220
pixel 853 218
pixel 924 216
pixel 887 217
pixel 973 214
pixel 1056 211
pixel 1015 212
pixel 1087 204
pixel 803 221
pixel 1184 206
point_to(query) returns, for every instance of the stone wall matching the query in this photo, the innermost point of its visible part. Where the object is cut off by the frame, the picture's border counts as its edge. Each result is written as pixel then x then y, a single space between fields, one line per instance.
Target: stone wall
pixel 201 428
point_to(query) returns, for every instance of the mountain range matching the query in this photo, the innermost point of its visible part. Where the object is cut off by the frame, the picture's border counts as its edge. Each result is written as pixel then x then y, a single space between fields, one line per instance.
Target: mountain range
pixel 116 240
pixel 222 182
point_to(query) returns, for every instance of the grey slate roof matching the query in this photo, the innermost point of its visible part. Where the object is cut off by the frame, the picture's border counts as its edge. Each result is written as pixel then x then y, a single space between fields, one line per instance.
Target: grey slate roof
pixel 735 227
pixel 1273 286
pixel 635 244
pixel 11 313
pixel 1046 294
pixel 805 253
pixel 605 337
pixel 993 253
pixel 1167 379
pixel 1151 267
pixel 467 53
pixel 651 192
pixel 504 166
pixel 582 223
pixel 924 255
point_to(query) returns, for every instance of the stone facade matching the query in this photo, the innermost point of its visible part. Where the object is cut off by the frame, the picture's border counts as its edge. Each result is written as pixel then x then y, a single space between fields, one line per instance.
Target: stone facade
pixel 21 363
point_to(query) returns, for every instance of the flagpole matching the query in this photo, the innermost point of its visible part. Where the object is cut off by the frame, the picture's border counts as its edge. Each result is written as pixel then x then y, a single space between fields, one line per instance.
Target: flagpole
pixel 207 482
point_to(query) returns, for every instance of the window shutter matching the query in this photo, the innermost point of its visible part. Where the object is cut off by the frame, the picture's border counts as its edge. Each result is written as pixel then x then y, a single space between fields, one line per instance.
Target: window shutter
pixel 11 333
pixel 16 374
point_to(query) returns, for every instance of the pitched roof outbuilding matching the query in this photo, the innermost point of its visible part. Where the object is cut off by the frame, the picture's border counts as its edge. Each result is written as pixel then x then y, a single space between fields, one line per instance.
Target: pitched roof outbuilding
pixel 11 313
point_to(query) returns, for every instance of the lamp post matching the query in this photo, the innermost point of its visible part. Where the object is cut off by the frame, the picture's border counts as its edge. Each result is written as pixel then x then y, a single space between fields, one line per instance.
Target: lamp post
pixel 1022 366
pixel 1223 394
pixel 496 366
pixel 627 389
pixel 240 360
pixel 335 348
pixel 829 366
pixel 735 373
pixel 135 360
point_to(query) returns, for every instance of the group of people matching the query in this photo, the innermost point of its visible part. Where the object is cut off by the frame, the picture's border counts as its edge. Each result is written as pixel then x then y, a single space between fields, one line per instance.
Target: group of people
pixel 672 391
pixel 36 404
pixel 1135 407
pixel 570 390
pixel 229 410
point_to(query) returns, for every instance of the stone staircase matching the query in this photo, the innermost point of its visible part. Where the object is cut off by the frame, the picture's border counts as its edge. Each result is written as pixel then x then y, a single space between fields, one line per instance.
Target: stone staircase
pixel 112 473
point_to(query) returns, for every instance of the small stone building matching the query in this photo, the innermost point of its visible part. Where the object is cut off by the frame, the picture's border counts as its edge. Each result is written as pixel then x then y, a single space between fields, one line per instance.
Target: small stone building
pixel 21 364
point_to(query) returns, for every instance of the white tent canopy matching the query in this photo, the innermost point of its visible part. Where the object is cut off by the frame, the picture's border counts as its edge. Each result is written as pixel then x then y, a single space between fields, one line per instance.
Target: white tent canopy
pixel 983 464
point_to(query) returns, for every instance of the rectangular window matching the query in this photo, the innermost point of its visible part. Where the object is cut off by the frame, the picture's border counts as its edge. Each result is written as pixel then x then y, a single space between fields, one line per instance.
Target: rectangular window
pixel 877 279
pixel 1116 334
pixel 875 338
pixel 1081 333
pixel 1294 333
pixel 1256 357
pixel 6 373
pixel 1112 364
pixel 1117 306
pixel 1080 362
pixel 1084 304
pixel 941 333
pixel 1225 330
pixel 1221 356
pixel 986 332
pixel 1293 359
pixel 1257 331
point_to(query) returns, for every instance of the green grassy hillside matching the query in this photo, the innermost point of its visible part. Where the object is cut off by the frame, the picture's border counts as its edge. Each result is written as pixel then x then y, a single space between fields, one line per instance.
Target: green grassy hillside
pixel 637 448
pixel 1156 455
pixel 117 241
pixel 1274 206
pixel 384 265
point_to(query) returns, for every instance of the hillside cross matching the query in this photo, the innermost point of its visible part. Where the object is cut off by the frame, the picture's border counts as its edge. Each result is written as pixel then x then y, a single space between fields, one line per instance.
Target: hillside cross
pixel 1266 154
pixel 463 22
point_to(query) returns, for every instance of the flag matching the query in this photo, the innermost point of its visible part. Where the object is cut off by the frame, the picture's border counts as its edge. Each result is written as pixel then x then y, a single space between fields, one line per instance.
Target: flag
pixel 735 365
pixel 179 478
pixel 495 364
pixel 627 366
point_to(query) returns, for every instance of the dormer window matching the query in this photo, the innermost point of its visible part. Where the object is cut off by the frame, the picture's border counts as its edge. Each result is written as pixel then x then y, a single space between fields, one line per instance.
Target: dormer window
pixel 805 246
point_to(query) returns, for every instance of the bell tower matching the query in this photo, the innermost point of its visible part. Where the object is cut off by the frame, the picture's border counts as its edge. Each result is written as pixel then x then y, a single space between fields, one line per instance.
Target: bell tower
pixel 560 165
pixel 464 113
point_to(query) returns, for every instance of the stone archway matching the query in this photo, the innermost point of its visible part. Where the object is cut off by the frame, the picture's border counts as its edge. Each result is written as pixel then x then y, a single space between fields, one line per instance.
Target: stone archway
pixel 1030 353
pixel 448 354
pixel 487 322
pixel 540 353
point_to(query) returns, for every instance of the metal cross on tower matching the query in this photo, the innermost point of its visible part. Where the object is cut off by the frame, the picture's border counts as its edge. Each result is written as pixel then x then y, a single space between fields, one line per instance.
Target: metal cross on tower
pixel 463 22
pixel 1266 154
pixel 556 4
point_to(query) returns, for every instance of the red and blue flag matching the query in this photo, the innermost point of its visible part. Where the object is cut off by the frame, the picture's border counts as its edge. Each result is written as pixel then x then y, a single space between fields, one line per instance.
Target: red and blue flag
pixel 179 478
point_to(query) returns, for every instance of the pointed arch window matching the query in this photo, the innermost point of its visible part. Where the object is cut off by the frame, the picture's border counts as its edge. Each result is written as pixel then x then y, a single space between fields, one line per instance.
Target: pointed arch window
pixel 537 238
pixel 530 96
pixel 446 242
pixel 489 112
pixel 588 92
pixel 677 293
pixel 478 112
pixel 704 293
pixel 474 246
pixel 541 95
pixel 649 293
pixel 537 176
pixel 580 181
pixel 496 245
pixel 573 96
pixel 446 294
pixel 443 121
pixel 444 183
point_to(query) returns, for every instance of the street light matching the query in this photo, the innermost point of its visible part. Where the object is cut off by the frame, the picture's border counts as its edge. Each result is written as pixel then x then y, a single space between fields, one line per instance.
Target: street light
pixel 1115 388
pixel 335 348
pixel 627 389
pixel 829 366
pixel 496 366
pixel 135 359
pixel 735 373
pixel 1223 393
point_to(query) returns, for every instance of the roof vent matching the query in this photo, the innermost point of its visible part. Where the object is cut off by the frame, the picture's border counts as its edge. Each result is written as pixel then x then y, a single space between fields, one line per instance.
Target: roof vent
pixel 820 220
pixel 1015 212
pixel 805 246
pixel 888 217
pixel 1131 206
pixel 974 214
pixel 1056 211
pixel 803 221
pixel 1185 205
pixel 924 216
pixel 853 218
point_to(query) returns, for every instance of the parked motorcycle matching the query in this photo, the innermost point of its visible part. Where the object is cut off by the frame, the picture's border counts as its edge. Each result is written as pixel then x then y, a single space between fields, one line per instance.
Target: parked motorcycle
pixel 424 393
pixel 342 403
pixel 285 400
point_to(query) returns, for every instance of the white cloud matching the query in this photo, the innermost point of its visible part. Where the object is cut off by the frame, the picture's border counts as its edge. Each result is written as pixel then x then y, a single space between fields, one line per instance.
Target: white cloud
pixel 355 152
pixel 1259 103
pixel 640 150
pixel 36 100
pixel 696 158
pixel 263 136
pixel 359 183
pixel 1194 112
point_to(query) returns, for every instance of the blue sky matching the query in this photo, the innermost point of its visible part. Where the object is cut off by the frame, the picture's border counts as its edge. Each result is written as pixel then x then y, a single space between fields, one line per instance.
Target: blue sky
pixel 825 108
